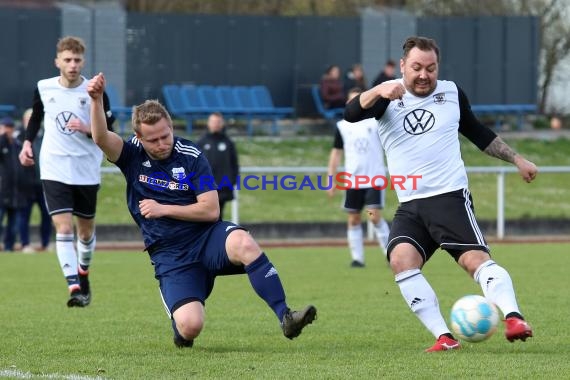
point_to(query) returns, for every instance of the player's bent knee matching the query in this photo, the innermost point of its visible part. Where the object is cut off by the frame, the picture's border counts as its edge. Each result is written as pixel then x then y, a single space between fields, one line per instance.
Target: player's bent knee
pixel 189 328
pixel 241 247
pixel 471 260
pixel 189 319
pixel 405 259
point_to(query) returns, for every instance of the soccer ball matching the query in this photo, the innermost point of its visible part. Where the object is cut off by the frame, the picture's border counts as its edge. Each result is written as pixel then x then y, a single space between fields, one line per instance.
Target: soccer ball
pixel 474 318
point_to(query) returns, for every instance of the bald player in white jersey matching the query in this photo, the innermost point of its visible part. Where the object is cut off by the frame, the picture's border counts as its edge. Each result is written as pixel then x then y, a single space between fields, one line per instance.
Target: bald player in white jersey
pixel 70 163
pixel 419 118
pixel 363 156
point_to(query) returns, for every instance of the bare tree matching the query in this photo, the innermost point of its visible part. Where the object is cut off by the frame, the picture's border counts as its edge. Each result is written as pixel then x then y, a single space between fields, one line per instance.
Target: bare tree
pixel 555 43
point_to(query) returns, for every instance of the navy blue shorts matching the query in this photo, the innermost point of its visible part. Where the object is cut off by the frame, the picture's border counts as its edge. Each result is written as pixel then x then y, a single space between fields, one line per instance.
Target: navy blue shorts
pixel 186 269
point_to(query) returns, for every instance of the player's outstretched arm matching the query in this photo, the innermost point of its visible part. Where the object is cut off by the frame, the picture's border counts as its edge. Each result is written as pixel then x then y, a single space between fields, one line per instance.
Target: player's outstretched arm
pixel 499 149
pixel 109 142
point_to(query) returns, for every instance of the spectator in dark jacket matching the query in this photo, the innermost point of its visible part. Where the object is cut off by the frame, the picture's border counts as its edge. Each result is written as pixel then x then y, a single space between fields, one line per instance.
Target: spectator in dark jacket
pixel 13 188
pixel 222 156
pixel 387 73
pixel 36 195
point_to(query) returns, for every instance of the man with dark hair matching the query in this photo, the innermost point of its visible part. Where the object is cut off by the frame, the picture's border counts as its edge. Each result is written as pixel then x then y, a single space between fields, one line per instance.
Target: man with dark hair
pixel 419 118
pixel 387 73
pixel 70 163
pixel 179 216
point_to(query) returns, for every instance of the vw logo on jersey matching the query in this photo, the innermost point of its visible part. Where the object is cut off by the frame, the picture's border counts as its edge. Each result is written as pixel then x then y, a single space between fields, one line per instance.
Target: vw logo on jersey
pixel 222 146
pixel 361 145
pixel 418 121
pixel 61 121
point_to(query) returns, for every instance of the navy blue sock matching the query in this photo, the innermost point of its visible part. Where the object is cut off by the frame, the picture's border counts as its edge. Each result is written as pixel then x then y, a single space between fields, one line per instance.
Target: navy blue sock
pixel 266 283
pixel 175 329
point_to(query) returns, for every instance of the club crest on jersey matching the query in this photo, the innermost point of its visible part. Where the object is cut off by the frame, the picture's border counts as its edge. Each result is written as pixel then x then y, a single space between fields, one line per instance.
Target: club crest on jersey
pixel 82 102
pixel 178 173
pixel 61 121
pixel 418 121
pixel 439 98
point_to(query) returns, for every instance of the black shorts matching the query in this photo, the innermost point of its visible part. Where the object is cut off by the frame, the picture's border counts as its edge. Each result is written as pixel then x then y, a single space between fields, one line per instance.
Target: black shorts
pixel 445 221
pixel 80 200
pixel 356 199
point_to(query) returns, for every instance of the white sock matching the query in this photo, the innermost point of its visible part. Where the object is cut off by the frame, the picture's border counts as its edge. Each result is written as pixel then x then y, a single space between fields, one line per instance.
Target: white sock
pixel 497 286
pixel 356 242
pixel 382 232
pixel 422 300
pixel 66 254
pixel 85 250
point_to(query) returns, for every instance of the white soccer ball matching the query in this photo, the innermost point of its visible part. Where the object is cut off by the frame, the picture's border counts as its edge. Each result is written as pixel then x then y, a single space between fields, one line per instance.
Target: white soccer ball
pixel 474 318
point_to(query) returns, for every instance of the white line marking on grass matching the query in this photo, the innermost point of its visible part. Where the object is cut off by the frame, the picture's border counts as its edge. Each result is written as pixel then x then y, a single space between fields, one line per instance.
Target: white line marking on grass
pixel 17 374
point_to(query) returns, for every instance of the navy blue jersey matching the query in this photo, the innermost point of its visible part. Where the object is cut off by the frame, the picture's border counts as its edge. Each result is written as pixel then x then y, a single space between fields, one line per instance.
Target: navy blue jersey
pixel 177 180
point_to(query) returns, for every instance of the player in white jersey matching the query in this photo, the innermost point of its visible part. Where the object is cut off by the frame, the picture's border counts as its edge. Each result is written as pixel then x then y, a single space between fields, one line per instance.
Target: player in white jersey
pixel 363 156
pixel 69 163
pixel 419 118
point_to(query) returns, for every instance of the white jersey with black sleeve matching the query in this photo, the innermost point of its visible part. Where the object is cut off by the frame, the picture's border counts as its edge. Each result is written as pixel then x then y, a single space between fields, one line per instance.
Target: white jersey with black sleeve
pixel 67 156
pixel 363 154
pixel 420 138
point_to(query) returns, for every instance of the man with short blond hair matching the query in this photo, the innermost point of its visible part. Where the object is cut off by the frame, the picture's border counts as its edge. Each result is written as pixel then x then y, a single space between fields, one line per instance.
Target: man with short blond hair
pixel 179 217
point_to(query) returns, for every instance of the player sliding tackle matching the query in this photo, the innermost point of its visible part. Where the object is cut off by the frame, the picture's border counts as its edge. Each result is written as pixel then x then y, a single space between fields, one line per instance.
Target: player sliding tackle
pixel 187 242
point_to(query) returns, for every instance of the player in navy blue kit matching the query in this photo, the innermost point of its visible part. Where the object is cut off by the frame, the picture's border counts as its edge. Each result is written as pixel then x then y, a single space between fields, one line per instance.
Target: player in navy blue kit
pixel 419 118
pixel 172 197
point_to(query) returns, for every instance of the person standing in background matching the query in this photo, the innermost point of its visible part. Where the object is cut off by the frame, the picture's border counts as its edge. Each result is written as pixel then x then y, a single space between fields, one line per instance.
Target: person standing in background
pixel 12 188
pixel 36 195
pixel 222 155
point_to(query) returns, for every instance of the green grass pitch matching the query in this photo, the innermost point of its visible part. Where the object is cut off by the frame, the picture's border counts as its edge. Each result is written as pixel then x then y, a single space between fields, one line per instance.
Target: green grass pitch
pixel 364 329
